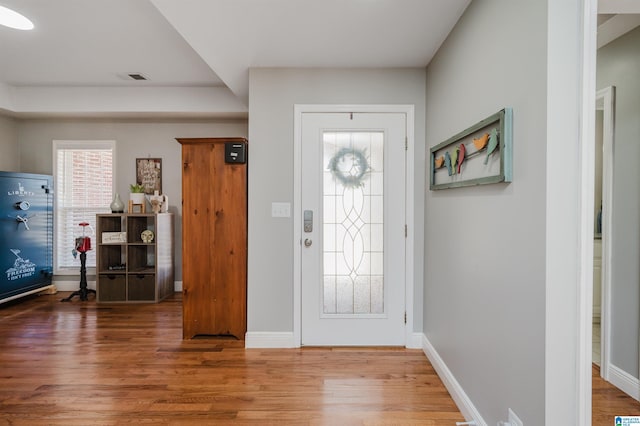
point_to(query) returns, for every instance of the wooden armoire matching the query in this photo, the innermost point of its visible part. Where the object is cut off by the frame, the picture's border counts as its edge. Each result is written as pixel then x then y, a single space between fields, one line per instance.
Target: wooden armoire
pixel 214 237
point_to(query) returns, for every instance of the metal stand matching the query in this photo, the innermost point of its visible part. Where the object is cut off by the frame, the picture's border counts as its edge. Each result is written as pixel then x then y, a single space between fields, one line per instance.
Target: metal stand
pixel 84 291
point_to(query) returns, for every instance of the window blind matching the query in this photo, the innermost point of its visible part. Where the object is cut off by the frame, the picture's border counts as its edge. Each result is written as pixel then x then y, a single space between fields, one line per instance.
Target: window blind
pixel 83 188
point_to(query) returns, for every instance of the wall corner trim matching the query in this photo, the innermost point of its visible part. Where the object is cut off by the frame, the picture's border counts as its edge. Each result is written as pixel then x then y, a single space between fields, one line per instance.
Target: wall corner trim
pixel 415 341
pixel 462 400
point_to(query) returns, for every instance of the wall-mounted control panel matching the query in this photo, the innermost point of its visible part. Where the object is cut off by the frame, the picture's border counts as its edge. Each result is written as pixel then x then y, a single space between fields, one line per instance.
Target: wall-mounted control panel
pixel 235 152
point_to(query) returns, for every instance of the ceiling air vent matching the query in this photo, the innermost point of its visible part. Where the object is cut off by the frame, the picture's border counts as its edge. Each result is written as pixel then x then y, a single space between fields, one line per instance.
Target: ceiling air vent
pixel 137 76
pixel 128 76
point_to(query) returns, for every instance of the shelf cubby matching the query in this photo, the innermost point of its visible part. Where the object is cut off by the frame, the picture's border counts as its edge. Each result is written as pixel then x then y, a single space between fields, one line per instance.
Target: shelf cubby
pixel 131 270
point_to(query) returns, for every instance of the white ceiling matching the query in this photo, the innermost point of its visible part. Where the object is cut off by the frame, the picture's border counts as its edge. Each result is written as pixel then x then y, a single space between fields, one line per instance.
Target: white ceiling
pixel 88 43
pixel 197 53
pixel 616 18
pixel 235 35
pixel 612 26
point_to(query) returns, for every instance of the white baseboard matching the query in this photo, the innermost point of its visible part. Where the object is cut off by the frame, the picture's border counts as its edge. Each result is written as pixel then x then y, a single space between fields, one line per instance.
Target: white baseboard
pixel 464 403
pixel 72 285
pixel 625 382
pixel 269 339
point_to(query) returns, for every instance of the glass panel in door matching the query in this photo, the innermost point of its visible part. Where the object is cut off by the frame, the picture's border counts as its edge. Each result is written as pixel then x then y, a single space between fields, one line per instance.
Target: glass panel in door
pixel 353 223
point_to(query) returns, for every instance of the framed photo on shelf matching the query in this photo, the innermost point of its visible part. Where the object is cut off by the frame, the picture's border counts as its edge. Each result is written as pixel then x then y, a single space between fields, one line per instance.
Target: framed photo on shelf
pixel 149 174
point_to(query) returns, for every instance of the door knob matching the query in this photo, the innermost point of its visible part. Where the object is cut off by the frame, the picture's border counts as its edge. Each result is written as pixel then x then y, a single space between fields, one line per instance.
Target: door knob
pixel 307 242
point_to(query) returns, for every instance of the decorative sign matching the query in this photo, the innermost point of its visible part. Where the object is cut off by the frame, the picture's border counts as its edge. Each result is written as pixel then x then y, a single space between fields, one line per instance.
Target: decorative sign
pixel 22 268
pixel 149 174
pixel 479 155
pixel 114 237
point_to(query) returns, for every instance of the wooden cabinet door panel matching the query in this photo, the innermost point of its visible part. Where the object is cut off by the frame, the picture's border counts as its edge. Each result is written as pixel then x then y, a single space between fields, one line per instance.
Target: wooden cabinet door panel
pixel 214 240
pixel 229 248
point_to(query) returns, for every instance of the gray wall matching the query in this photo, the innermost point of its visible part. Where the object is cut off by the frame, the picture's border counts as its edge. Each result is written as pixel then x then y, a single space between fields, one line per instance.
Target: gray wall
pixel 273 93
pixel 619 65
pixel 484 297
pixel 9 154
pixel 134 139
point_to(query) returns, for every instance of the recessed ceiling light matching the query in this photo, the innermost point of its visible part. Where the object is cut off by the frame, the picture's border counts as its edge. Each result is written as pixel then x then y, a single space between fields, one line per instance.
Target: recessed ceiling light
pixel 12 19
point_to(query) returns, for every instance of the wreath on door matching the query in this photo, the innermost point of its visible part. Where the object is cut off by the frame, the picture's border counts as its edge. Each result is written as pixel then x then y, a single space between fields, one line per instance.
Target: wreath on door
pixel 349 166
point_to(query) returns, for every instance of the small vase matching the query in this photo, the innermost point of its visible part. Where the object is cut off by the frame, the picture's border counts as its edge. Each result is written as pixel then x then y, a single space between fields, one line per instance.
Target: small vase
pixel 117 206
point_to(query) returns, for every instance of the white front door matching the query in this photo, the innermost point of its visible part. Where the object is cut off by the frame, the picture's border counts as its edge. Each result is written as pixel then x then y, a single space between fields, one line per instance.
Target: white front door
pixel 353 236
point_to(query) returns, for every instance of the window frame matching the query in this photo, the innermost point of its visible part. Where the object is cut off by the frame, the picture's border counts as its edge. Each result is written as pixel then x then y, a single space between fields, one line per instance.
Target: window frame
pixel 77 144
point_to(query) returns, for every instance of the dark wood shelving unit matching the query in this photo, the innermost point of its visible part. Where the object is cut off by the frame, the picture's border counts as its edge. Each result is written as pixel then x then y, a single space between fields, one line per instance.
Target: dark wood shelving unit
pixel 132 270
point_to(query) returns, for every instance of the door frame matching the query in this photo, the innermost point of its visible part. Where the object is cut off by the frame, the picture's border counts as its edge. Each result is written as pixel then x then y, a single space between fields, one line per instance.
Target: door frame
pixel 409 284
pixel 608 96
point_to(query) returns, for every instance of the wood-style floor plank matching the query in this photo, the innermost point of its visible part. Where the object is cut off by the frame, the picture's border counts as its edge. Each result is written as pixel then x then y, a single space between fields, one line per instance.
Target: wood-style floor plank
pixel 609 401
pixel 80 363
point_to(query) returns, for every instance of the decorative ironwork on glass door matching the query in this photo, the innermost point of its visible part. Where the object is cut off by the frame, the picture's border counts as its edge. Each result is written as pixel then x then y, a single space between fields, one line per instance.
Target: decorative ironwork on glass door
pixel 353 207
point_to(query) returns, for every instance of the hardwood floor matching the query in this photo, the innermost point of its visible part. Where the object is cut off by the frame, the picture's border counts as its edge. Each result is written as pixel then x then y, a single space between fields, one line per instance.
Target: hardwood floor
pixel 608 401
pixel 80 363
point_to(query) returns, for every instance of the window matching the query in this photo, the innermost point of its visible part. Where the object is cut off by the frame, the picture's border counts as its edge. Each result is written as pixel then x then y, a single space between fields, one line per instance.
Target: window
pixel 83 173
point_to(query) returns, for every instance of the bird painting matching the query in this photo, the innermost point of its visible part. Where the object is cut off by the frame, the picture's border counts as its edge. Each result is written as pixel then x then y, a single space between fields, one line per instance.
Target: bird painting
pixel 461 152
pixel 439 162
pixel 447 162
pixel 454 158
pixel 481 142
pixel 493 144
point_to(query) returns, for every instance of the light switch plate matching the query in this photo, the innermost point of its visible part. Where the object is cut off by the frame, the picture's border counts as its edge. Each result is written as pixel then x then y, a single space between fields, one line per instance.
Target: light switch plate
pixel 280 209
